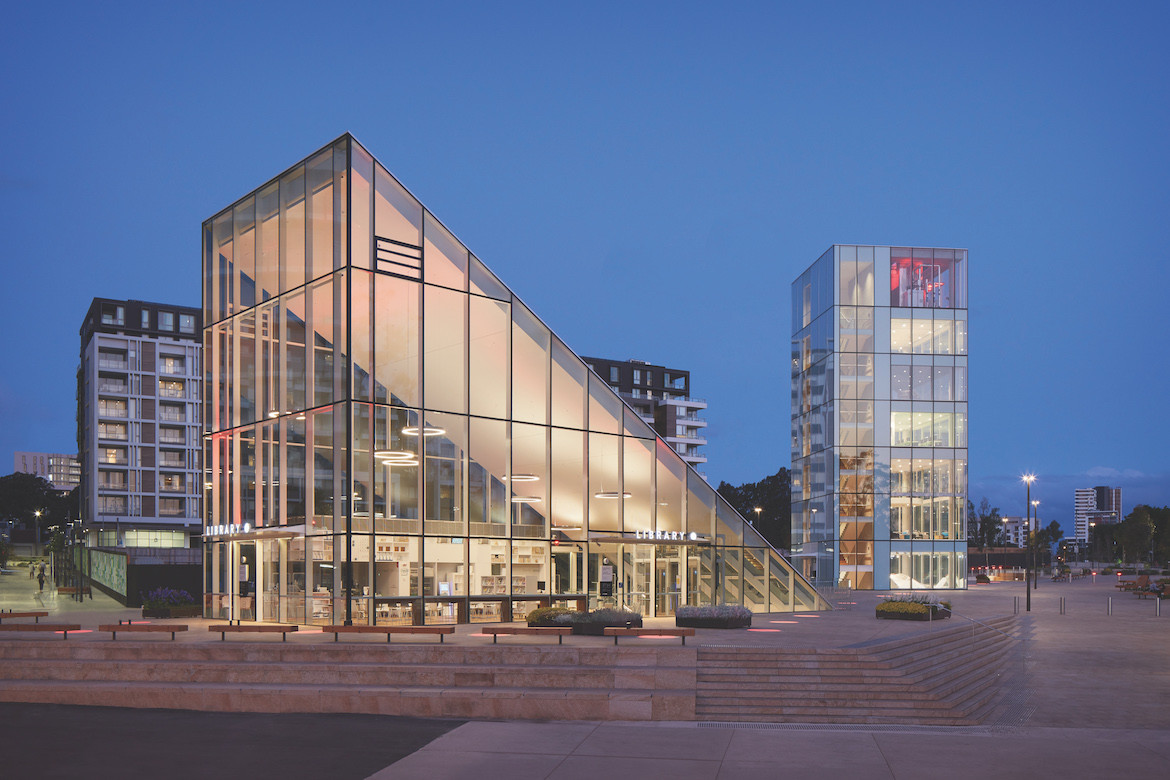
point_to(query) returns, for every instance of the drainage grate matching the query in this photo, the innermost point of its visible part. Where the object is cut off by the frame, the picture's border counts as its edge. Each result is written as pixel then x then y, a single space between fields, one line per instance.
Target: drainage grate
pixel 844 727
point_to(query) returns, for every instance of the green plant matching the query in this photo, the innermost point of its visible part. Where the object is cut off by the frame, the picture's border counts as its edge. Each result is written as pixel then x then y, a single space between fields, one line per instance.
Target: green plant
pixel 721 611
pixel 601 617
pixel 5 553
pixel 547 615
pixel 165 598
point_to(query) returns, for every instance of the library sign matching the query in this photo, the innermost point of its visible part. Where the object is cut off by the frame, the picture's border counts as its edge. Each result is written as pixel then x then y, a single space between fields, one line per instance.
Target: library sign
pixel 669 536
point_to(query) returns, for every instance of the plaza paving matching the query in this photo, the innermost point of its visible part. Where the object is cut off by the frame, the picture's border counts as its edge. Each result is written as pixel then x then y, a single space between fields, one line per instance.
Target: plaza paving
pixel 1090 697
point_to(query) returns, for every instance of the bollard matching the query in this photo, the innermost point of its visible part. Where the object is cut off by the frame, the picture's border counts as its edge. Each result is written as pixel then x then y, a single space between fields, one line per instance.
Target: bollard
pixel 1157 606
pixel 1016 607
pixel 1062 605
pixel 1110 610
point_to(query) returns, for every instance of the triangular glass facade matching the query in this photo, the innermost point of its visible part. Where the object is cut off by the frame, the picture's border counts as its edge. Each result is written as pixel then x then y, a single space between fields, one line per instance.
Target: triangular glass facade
pixel 393 436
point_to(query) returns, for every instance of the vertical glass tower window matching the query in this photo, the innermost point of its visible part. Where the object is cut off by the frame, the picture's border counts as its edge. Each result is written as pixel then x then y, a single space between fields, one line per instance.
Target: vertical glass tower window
pixel 879 418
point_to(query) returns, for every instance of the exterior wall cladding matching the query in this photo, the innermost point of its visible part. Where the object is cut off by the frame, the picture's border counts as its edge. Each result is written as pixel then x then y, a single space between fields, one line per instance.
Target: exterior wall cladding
pixel 879 418
pixel 392 436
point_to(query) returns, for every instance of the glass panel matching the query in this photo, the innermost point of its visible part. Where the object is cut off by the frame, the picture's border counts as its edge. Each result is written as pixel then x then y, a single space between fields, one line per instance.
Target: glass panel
pixel 396 347
pixel 444 258
pixel 224 266
pixel 942 337
pixel 922 383
pixel 295 365
pixel 489 564
pixel 292 229
pixel 488 502
pixel 361 338
pixel 901 339
pixel 701 499
pixel 530 366
pixel 328 320
pixel 268 242
pixel 960 337
pixel 671 493
pixel 295 475
pixel 568 483
pixel 943 391
pixel 488 352
pixel 320 217
pixel 483 282
pixel 245 250
pixel 396 470
pixel 445 353
pixel 530 571
pixel 638 463
pixel 569 377
pixel 444 569
pixel 900 383
pixel 444 441
pixel 246 367
pixel 529 480
pixel 321 426
pixel 605 408
pixel 923 336
pixel 361 207
pixel 605 482
pixel 397 215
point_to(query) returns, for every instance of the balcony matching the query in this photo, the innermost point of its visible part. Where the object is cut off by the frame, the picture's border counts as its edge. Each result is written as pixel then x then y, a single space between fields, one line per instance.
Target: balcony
pixel 171 438
pixel 171 416
pixel 112 365
pixel 113 388
pixel 171 392
pixel 112 412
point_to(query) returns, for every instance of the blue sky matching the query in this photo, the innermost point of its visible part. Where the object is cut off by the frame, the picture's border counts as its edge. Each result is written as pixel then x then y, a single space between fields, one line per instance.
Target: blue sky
pixel 650 178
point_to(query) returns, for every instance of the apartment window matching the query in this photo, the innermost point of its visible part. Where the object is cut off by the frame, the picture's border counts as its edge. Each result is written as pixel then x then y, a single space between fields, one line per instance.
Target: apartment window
pixel 637 392
pixel 649 377
pixel 112 431
pixel 171 413
pixel 112 505
pixel 171 482
pixel 108 407
pixel 172 459
pixel 113 315
pixel 170 507
pixel 115 455
pixel 110 359
pixel 637 376
pixel 186 323
pixel 171 436
pixel 166 320
pixel 172 364
pixel 152 539
pixel 170 389
pixel 614 374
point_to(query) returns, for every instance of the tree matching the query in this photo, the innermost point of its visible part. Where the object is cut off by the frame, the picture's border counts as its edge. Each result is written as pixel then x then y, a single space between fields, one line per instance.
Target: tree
pixel 23 495
pixel 984 527
pixel 773 495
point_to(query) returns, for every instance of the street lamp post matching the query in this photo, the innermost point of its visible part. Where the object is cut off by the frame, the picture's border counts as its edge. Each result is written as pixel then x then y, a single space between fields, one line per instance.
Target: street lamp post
pixel 1028 480
pixel 757 510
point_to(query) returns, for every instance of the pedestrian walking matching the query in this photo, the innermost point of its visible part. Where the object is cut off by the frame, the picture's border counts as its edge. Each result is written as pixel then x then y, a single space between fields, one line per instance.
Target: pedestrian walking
pixel 41 578
pixel 32 569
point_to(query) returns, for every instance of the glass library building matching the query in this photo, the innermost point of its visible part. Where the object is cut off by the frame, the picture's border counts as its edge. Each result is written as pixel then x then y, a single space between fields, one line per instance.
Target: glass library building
pixel 879 418
pixel 392 436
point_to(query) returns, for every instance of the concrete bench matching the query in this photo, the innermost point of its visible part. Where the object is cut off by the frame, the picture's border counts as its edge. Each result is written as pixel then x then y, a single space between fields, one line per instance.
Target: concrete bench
pixel 558 631
pixel 439 631
pixel 139 628
pixel 251 628
pixel 64 628
pixel 616 631
pixel 37 615
pixel 69 590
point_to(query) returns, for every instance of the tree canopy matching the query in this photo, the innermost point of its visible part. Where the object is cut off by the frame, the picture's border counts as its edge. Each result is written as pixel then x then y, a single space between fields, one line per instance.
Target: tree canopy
pixel 773 495
pixel 23 495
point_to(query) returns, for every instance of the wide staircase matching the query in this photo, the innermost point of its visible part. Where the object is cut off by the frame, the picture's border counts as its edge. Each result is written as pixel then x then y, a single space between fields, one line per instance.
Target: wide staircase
pixel 523 682
pixel 951 676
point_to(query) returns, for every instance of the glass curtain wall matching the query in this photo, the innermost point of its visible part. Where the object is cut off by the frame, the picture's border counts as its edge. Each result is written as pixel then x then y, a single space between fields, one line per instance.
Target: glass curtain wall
pixel 879 422
pixel 392 436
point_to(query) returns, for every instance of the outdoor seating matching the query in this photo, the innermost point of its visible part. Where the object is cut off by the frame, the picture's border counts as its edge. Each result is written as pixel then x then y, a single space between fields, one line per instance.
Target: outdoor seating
pixel 559 632
pixel 37 614
pixel 139 628
pixel 64 628
pixel 251 628
pixel 1141 582
pixel 616 631
pixel 439 631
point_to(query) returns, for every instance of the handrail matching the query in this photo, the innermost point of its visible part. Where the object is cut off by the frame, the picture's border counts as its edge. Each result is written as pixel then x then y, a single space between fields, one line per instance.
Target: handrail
pixel 973 620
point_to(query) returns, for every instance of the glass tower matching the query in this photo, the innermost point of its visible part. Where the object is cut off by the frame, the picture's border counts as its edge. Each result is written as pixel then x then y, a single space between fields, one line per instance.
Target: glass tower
pixel 879 418
pixel 393 436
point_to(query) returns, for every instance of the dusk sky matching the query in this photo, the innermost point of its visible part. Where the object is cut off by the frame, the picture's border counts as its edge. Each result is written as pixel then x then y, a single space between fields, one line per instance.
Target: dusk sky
pixel 649 178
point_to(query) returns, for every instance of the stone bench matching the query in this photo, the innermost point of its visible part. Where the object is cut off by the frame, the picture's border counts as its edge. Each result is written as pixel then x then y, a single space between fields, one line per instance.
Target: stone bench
pixel 251 628
pixel 64 628
pixel 616 631
pixel 558 631
pixel 440 631
pixel 139 628
pixel 37 615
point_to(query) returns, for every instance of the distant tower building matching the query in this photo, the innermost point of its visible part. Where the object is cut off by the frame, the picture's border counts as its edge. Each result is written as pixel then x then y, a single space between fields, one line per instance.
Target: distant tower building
pixel 879 418
pixel 62 471
pixel 662 398
pixel 1013 529
pixel 1095 505
pixel 140 398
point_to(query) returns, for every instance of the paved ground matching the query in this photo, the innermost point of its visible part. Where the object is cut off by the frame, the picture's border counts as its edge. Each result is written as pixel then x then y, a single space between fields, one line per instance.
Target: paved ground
pixel 1091 699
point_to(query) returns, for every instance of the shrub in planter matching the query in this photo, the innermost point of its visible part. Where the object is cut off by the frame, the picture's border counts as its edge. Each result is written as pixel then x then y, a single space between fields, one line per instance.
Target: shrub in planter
pixel 720 616
pixel 912 608
pixel 982 579
pixel 168 603
pixel 547 616
pixel 594 623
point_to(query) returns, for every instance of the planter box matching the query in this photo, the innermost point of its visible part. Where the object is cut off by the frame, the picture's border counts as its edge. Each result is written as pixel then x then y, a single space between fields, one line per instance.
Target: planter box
pixel 938 614
pixel 186 611
pixel 701 622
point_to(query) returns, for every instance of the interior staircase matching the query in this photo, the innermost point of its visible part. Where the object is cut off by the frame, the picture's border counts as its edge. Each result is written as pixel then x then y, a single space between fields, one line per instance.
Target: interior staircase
pixel 948 676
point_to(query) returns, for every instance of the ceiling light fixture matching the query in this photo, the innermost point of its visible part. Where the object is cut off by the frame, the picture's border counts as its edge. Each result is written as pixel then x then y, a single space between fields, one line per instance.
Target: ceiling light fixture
pixel 412 430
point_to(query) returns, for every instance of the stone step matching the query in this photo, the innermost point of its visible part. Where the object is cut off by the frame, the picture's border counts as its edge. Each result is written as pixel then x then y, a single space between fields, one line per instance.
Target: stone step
pixel 358 674
pixel 519 703
pixel 828 715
